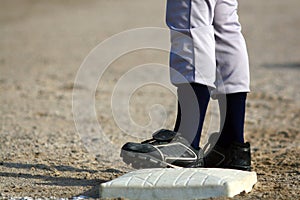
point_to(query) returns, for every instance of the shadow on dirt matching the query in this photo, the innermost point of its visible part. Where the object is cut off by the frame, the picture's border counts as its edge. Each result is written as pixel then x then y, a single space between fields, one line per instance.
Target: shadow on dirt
pixel 61 168
pixel 55 179
pixel 291 65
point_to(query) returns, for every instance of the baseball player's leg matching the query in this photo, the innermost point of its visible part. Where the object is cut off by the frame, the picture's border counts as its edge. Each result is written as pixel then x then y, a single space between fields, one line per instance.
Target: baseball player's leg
pixel 233 82
pixel 192 60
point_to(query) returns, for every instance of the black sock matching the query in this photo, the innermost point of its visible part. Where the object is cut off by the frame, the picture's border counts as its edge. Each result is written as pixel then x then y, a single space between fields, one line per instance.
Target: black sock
pixel 190 120
pixel 232 109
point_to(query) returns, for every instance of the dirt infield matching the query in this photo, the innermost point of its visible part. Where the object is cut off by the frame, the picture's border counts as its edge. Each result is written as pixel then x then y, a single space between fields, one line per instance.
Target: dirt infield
pixel 42 45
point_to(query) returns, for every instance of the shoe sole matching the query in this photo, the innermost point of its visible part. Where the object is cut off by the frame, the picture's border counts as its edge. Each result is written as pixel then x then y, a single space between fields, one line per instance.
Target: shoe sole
pixel 142 160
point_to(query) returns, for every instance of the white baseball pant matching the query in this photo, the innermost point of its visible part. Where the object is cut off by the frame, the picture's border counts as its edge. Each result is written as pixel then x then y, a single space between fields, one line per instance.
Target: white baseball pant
pixel 207 45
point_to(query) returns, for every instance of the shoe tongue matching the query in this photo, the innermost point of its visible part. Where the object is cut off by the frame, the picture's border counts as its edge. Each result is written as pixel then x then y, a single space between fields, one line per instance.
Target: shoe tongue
pixel 164 135
pixel 184 141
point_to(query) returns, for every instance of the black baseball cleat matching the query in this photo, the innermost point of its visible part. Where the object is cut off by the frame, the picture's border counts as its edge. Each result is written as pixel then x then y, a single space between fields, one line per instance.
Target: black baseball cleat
pixel 236 156
pixel 165 149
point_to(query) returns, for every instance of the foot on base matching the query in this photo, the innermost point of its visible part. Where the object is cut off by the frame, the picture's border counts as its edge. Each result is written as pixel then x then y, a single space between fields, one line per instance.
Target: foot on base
pixel 166 149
